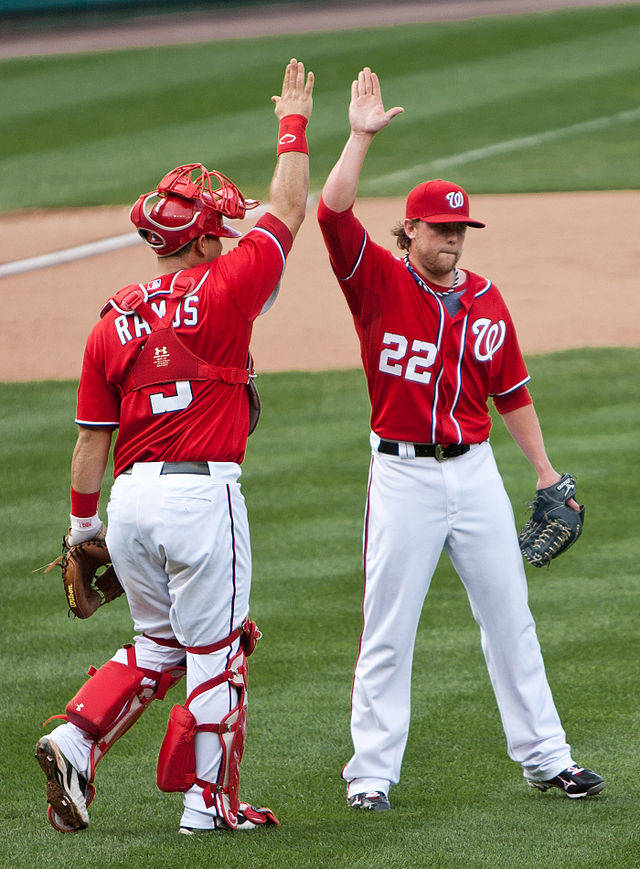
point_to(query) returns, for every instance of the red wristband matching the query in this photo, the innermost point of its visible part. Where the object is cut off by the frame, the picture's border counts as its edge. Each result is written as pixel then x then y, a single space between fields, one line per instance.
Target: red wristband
pixel 291 135
pixel 84 506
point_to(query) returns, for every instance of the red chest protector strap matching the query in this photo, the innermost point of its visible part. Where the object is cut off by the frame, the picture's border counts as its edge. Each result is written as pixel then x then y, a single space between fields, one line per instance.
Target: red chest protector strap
pixel 163 358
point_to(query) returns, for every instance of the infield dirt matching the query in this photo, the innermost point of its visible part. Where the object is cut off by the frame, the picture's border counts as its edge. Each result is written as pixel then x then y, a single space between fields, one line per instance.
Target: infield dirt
pixel 565 262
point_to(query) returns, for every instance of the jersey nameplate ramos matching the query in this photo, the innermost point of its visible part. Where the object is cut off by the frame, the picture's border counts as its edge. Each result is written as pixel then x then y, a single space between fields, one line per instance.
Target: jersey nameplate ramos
pixel 163 358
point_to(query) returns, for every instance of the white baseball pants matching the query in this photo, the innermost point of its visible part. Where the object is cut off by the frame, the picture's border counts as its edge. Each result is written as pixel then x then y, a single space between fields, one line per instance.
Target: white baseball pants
pixel 180 546
pixel 415 508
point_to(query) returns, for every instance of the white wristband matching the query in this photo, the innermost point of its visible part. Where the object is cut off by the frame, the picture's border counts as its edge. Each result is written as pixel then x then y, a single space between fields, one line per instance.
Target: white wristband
pixel 83 528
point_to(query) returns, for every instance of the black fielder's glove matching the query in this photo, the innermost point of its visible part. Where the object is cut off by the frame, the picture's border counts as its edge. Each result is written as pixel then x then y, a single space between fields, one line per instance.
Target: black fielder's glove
pixel 553 526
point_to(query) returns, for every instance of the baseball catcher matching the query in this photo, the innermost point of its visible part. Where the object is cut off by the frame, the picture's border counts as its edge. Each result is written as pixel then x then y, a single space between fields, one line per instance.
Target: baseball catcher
pixel 168 365
pixel 554 525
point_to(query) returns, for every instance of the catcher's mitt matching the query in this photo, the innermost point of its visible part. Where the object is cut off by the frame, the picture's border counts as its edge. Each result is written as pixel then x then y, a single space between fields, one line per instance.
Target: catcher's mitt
pixel 553 526
pixel 86 590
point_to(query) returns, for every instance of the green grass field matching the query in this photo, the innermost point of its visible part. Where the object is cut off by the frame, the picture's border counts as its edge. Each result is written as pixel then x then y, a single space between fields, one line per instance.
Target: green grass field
pixel 98 129
pixel 461 801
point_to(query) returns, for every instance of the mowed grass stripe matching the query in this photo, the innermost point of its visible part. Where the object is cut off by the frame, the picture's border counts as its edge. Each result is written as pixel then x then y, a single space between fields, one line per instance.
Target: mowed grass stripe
pixel 522 144
pixel 461 802
pixel 97 129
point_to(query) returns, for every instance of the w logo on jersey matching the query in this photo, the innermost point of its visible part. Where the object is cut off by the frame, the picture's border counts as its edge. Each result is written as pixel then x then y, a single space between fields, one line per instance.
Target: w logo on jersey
pixel 490 338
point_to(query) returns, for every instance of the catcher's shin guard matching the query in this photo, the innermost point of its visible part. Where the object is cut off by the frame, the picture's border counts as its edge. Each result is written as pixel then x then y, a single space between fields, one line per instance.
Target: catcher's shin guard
pixel 113 699
pixel 177 760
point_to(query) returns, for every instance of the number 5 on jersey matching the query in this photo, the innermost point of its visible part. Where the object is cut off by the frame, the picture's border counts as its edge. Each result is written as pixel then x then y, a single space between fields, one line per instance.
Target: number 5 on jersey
pixel 161 403
pixel 416 368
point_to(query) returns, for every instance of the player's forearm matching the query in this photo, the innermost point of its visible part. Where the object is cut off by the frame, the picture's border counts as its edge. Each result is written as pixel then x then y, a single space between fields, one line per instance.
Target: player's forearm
pixel 339 191
pixel 289 189
pixel 524 427
pixel 90 459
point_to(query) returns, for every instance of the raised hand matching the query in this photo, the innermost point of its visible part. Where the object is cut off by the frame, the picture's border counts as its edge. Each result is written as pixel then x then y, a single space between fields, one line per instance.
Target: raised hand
pixel 366 112
pixel 297 96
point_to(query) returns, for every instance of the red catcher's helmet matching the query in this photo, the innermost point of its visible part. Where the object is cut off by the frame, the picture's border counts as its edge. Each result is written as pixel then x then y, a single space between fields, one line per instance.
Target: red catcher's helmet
pixel 183 208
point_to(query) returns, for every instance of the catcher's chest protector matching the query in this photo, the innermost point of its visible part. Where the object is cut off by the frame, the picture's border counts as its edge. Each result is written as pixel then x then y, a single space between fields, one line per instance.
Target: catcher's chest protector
pixel 163 358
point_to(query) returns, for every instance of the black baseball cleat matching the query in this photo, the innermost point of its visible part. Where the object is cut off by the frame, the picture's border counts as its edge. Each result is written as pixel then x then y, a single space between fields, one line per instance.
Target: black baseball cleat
pixel 575 781
pixel 68 791
pixel 372 801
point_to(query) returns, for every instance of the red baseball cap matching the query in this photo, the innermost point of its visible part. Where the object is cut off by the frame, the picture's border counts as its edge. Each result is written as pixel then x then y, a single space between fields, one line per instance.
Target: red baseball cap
pixel 440 202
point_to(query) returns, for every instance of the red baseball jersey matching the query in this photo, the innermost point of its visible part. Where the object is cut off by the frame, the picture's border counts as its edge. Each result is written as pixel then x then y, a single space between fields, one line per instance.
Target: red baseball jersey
pixel 199 420
pixel 429 374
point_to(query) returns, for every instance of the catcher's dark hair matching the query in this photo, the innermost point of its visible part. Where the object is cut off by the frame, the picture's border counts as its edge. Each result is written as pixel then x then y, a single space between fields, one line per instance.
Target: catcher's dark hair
pixel 402 239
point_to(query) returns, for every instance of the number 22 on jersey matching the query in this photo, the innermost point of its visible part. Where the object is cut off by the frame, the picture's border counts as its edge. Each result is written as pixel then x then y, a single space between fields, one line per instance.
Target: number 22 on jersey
pixel 391 359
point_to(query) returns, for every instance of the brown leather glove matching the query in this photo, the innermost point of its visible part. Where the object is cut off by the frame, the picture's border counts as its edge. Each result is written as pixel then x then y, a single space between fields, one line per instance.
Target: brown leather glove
pixel 86 590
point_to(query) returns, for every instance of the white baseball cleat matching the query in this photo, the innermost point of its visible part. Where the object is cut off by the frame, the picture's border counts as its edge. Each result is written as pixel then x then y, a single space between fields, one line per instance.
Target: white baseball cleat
pixel 249 818
pixel 67 789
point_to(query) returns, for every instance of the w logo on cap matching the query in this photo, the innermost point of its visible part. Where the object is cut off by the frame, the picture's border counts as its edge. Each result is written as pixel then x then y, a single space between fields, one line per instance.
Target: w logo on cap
pixel 455 199
pixel 439 201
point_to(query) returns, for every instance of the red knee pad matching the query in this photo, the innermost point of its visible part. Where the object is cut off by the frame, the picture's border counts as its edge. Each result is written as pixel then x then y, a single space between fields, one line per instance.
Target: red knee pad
pixel 99 702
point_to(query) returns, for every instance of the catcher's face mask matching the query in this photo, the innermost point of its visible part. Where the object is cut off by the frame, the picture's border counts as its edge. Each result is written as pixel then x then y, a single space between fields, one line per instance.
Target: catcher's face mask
pixel 184 207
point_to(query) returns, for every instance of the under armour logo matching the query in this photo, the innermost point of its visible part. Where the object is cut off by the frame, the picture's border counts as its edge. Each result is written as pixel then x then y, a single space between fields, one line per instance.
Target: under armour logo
pixel 161 357
pixel 79 707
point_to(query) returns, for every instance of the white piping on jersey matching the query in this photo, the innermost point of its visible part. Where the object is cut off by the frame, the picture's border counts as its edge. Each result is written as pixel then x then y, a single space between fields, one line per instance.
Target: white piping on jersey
pixel 197 286
pixel 173 279
pixel 483 290
pixel 88 422
pixel 274 294
pixel 129 313
pixel 513 388
pixel 353 270
pixel 271 235
pixel 463 338
pixel 424 286
pixel 434 404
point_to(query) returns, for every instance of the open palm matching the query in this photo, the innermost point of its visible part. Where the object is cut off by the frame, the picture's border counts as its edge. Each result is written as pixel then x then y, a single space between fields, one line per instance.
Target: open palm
pixel 366 111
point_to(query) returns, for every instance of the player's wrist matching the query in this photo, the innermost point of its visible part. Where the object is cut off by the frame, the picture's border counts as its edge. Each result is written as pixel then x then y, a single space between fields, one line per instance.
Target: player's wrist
pixel 362 135
pixel 84 528
pixel 291 134
pixel 84 505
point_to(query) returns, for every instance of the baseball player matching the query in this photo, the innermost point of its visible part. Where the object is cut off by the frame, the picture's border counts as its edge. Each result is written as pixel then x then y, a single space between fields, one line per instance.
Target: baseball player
pixel 436 341
pixel 168 364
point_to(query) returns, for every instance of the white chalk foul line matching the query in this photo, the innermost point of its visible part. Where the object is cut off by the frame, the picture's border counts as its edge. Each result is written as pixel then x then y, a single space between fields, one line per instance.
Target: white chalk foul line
pixel 519 144
pixel 69 254
pixel 80 251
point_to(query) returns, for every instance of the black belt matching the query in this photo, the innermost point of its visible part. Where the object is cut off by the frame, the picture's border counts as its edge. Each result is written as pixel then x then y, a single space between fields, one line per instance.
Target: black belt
pixel 180 468
pixel 425 451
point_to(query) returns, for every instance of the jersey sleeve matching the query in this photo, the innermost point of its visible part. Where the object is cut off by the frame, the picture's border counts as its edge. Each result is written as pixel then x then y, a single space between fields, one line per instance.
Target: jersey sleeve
pixel 98 400
pixel 508 370
pixel 359 264
pixel 252 271
pixel 512 400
